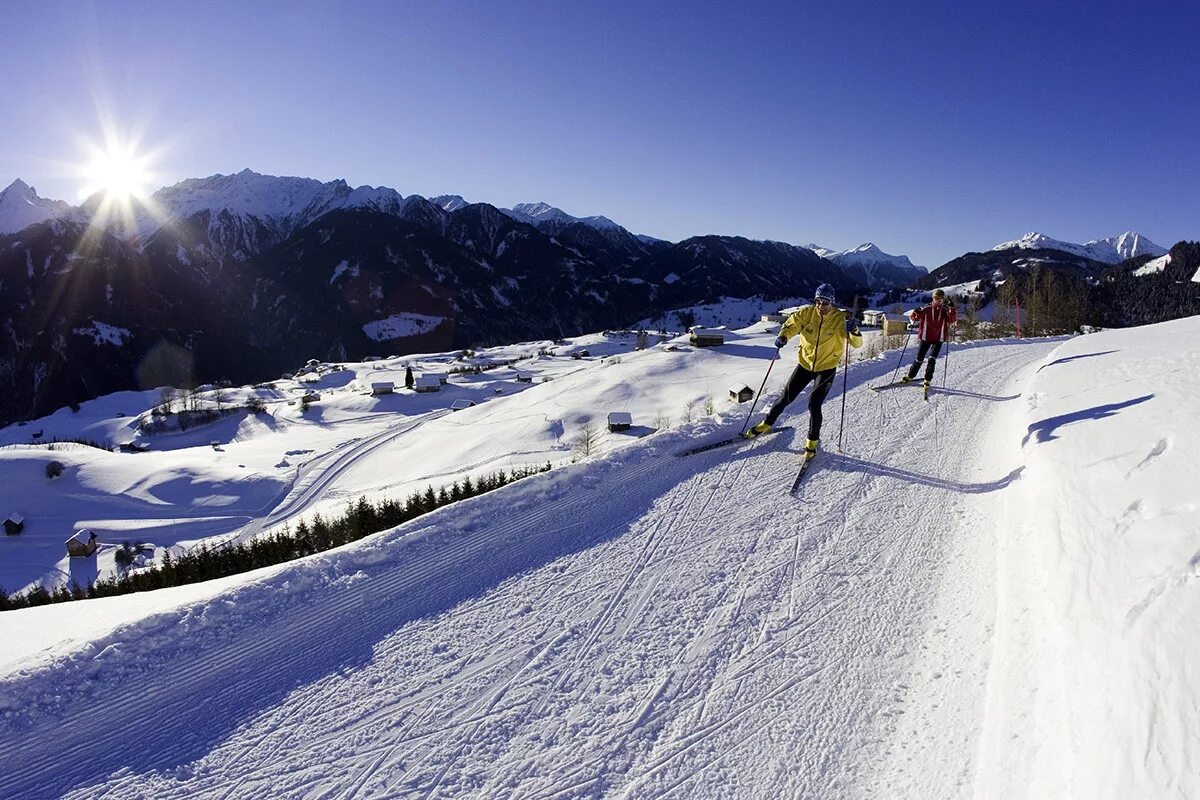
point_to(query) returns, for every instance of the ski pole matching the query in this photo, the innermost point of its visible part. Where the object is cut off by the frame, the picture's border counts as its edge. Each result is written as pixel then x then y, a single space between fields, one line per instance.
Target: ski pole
pixel 774 358
pixel 900 363
pixel 845 381
pixel 946 365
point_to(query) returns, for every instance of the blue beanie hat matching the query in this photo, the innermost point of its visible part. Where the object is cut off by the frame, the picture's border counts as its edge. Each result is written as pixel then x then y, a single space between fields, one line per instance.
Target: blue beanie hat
pixel 825 292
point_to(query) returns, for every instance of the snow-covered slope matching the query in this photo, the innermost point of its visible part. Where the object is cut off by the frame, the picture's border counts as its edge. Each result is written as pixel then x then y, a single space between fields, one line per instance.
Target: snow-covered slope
pixel 1112 250
pixel 21 207
pixel 985 596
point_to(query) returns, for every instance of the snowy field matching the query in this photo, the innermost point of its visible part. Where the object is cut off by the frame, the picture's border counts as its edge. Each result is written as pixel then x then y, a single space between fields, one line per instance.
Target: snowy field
pixel 990 595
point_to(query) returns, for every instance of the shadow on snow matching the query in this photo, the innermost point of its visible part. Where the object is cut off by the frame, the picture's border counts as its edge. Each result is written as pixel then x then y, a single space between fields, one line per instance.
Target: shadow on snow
pixel 1044 430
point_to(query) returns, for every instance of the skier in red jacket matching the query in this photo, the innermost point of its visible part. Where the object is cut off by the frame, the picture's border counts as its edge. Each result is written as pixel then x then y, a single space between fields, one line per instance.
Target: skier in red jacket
pixel 934 321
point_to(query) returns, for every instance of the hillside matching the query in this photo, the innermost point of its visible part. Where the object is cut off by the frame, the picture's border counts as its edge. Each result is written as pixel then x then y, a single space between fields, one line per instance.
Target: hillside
pixel 982 596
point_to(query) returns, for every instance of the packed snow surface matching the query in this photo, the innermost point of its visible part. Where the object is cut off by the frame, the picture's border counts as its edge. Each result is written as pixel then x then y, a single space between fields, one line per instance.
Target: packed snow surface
pixel 989 595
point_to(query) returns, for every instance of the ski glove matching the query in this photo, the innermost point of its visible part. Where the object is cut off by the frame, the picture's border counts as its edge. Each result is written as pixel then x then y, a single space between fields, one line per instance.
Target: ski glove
pixel 780 342
pixel 851 325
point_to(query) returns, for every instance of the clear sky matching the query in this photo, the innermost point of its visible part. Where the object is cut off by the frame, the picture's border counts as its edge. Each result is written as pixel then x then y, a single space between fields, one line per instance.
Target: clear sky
pixel 929 128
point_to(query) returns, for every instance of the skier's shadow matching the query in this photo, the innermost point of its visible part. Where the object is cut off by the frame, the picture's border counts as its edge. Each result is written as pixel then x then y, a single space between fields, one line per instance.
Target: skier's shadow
pixel 845 463
pixel 1044 430
pixel 1068 359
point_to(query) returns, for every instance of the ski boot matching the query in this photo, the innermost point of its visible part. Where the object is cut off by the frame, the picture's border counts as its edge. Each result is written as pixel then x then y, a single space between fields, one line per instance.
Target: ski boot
pixel 906 379
pixel 757 430
pixel 810 448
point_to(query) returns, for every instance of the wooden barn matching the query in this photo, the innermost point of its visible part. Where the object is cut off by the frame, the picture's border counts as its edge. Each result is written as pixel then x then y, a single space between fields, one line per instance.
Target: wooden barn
pixel 459 405
pixel 82 543
pixel 13 524
pixel 706 337
pixel 894 327
pixel 740 393
pixel 382 387
pixel 427 382
pixel 619 421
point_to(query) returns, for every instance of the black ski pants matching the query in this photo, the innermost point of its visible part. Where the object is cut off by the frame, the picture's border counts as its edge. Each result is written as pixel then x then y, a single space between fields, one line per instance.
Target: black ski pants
pixel 932 348
pixel 795 385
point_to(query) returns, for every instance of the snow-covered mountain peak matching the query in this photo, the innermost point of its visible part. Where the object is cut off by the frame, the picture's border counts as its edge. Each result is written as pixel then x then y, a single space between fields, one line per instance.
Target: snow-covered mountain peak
pixel 1036 241
pixel 1126 245
pixel 538 213
pixel 1112 250
pixel 18 187
pixel 21 207
pixel 600 222
pixel 541 212
pixel 449 202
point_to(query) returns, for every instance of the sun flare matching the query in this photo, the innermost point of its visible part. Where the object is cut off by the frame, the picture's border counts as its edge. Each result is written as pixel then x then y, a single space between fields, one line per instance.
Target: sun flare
pixel 117 171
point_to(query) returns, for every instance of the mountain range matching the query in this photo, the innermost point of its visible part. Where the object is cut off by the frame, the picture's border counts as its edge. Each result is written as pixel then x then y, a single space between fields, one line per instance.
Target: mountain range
pixel 244 276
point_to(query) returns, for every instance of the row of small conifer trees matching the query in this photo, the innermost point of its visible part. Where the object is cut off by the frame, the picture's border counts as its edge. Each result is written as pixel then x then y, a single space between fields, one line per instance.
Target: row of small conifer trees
pixel 285 544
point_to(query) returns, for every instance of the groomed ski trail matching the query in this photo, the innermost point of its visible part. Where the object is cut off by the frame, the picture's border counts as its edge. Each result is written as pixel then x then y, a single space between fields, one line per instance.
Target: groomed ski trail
pixel 644 626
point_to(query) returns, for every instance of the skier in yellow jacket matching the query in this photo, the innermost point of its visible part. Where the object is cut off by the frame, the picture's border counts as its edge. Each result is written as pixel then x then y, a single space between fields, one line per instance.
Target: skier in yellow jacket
pixel 824 331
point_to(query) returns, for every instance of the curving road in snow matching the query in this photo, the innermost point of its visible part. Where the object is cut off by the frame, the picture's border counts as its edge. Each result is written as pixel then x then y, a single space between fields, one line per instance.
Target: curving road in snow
pixel 640 626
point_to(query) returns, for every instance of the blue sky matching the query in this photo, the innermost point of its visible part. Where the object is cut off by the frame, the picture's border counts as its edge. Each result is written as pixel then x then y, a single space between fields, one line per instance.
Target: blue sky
pixel 929 128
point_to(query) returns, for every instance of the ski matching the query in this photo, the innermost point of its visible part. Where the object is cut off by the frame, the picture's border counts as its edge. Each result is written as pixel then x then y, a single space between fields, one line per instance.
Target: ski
pixel 891 385
pixel 704 448
pixel 803 470
pixel 925 393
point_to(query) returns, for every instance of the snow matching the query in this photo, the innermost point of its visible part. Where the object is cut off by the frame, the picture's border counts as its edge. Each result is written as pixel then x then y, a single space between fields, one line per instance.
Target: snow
pixel 865 255
pixel 102 333
pixel 1103 569
pixel 1154 265
pixel 344 268
pixel 1111 250
pixel 21 207
pixel 990 595
pixel 534 213
pixel 399 326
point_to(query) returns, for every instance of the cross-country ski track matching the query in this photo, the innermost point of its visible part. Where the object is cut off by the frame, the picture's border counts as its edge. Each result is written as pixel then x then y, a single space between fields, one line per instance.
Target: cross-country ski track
pixel 635 626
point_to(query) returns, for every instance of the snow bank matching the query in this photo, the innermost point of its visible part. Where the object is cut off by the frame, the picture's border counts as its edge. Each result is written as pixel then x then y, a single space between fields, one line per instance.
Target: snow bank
pixel 1108 588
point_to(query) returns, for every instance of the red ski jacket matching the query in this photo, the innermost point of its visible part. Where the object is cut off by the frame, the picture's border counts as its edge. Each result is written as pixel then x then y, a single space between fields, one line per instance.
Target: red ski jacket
pixel 934 321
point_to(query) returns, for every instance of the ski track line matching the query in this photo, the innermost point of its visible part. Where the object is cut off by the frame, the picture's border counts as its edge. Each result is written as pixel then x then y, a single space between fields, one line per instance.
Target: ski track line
pixel 488 707
pixel 704 733
pixel 311 485
pixel 677 513
pixel 904 535
pixel 472 734
pixel 486 667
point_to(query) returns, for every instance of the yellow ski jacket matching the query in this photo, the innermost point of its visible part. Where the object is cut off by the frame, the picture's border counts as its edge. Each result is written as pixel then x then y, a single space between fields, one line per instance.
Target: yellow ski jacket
pixel 822 339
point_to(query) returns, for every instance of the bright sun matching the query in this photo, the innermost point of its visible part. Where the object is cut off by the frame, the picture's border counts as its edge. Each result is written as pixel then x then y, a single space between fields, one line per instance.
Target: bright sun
pixel 118 171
